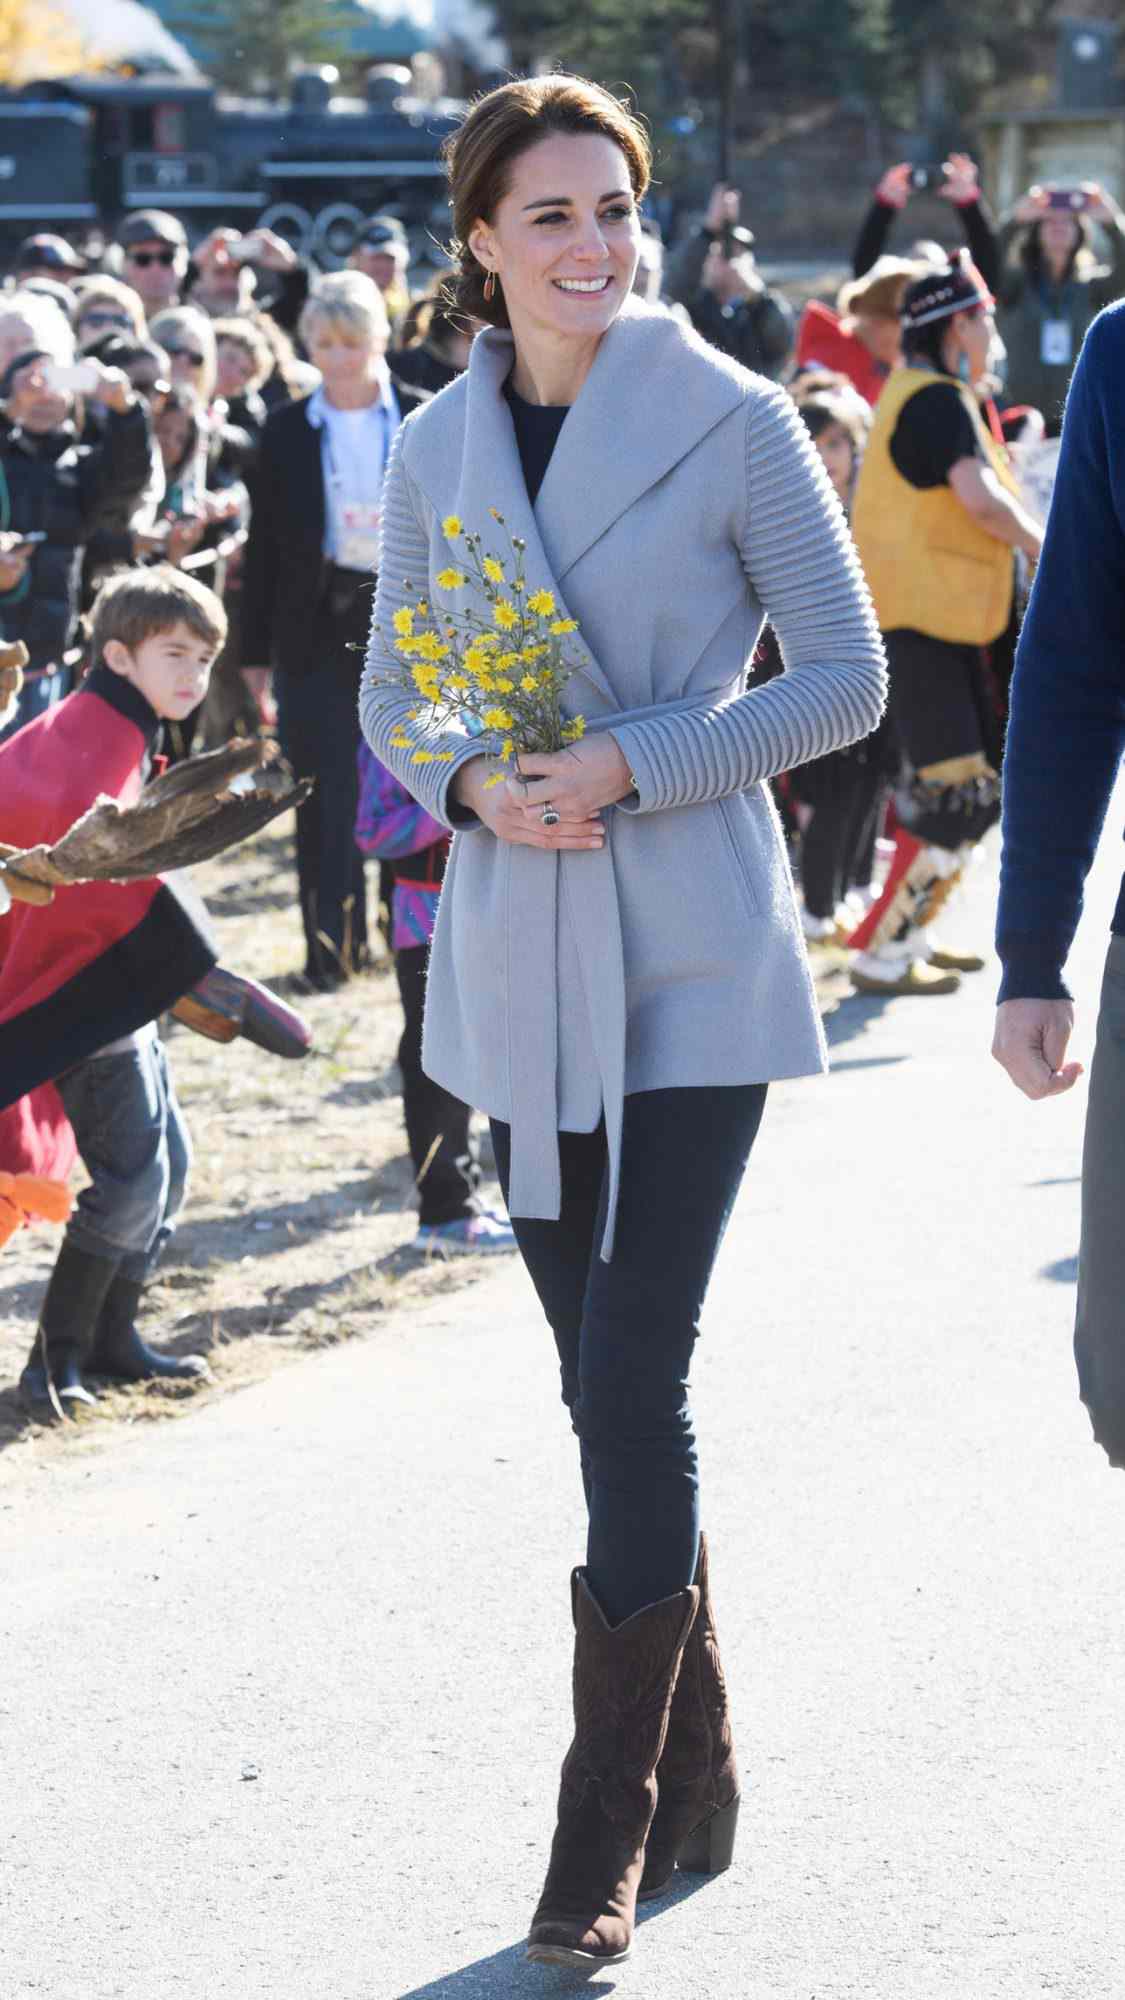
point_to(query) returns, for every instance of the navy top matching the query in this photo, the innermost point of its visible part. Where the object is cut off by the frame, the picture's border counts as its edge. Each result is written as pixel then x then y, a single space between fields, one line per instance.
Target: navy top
pixel 537 433
pixel 1067 729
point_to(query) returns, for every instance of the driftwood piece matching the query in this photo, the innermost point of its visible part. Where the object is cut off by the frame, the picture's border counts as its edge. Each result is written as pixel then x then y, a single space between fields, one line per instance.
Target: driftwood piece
pixel 193 812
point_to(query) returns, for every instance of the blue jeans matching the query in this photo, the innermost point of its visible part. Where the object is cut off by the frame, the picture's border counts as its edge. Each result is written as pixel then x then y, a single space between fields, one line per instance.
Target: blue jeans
pixel 625 1331
pixel 135 1147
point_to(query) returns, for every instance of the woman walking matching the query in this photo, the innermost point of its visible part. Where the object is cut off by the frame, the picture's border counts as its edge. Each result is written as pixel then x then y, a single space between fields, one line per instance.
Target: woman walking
pixel 617 970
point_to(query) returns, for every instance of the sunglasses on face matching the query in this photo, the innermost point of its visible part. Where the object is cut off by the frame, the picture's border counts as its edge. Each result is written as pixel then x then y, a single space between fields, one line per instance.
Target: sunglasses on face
pixel 185 354
pixel 144 258
pixel 97 317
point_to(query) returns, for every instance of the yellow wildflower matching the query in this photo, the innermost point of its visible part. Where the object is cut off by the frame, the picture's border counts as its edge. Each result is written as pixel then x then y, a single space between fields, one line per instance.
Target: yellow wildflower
pixel 505 660
pixel 542 603
pixel 486 682
pixel 493 570
pixel 451 579
pixel 496 718
pixel 423 609
pixel 533 652
pixel 497 778
pixel 505 614
pixel 406 647
pixel 504 685
pixel 560 626
pixel 573 732
pixel 451 527
pixel 496 514
pixel 422 757
pixel 400 742
pixel 529 684
pixel 443 756
pixel 403 621
pixel 458 682
pixel 507 748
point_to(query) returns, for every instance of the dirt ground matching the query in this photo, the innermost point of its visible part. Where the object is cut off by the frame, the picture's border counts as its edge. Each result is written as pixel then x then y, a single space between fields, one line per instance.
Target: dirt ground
pixel 300 1216
pixel 298 1228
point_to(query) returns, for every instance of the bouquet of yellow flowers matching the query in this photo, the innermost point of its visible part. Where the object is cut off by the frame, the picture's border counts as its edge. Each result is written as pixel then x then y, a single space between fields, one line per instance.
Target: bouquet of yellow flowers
pixel 501 677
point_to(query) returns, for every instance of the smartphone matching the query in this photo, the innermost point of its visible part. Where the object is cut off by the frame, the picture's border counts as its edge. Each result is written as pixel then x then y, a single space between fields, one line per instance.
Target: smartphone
pixel 1074 200
pixel 79 380
pixel 924 180
pixel 30 541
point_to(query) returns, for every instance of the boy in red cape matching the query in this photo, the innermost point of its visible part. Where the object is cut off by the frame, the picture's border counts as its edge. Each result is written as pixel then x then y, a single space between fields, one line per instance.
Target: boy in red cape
pixel 83 979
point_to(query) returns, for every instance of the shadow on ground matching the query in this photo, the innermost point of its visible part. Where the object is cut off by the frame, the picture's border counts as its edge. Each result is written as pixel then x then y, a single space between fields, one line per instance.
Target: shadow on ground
pixel 507 1975
pixel 1064 1271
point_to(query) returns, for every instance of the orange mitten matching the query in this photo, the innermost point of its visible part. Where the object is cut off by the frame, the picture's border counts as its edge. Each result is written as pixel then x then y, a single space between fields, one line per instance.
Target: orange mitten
pixel 27 1197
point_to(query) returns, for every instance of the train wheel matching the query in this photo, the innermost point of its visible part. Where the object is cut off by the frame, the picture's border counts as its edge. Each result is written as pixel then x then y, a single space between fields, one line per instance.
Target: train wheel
pixel 289 220
pixel 334 232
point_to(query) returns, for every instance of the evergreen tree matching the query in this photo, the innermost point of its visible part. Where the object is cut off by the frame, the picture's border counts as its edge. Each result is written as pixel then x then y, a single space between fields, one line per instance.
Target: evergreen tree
pixel 253 44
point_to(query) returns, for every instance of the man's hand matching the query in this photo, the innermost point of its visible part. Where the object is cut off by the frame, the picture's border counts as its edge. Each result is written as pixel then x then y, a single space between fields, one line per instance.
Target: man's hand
pixel 217 250
pixel 723 209
pixel 894 189
pixel 114 389
pixel 1031 1042
pixel 13 561
pixel 268 251
pixel 962 181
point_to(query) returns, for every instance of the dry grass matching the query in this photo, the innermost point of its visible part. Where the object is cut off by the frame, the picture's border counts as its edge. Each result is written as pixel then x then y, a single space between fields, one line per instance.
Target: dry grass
pixel 299 1220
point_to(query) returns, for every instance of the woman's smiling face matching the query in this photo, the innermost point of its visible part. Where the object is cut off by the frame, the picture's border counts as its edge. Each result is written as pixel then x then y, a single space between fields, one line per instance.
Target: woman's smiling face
pixel 565 239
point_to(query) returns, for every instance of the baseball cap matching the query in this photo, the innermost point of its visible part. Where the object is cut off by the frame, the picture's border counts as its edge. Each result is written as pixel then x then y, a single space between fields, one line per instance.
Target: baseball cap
pixel 152 225
pixel 47 253
pixel 381 229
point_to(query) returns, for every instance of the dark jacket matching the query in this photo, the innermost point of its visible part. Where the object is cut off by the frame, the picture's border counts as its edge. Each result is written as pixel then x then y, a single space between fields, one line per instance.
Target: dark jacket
pixel 285 573
pixel 66 489
pixel 757 331
pixel 1067 729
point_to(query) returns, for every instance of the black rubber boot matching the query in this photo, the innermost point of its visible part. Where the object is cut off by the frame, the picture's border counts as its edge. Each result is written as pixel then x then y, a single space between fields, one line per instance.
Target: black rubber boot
pixel 119 1351
pixel 75 1296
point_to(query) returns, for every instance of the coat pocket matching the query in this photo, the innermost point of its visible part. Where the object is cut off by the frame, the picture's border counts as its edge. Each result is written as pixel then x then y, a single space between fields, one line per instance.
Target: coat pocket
pixel 734 838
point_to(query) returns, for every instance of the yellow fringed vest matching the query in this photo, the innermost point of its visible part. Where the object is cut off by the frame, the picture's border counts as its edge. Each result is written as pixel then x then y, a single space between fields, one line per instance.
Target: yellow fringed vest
pixel 930 566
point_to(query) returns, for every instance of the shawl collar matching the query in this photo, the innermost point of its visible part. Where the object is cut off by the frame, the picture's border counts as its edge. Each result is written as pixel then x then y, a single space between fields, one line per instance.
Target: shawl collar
pixel 602 462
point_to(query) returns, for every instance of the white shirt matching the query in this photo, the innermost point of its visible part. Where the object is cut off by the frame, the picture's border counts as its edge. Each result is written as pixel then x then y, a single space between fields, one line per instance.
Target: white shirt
pixel 354 447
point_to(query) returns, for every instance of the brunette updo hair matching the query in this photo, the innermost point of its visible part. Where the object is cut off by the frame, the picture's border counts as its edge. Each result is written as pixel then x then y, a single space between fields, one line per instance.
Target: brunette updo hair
pixel 495 131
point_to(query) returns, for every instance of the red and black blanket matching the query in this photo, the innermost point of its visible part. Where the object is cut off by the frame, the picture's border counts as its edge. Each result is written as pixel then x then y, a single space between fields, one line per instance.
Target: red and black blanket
pixel 104 957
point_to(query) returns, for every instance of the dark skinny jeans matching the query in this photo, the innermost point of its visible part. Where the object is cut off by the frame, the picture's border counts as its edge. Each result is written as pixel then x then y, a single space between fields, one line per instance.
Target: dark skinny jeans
pixel 625 1330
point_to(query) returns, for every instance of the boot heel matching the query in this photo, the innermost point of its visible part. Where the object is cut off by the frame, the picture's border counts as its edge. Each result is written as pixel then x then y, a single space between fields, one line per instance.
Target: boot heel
pixel 710 1849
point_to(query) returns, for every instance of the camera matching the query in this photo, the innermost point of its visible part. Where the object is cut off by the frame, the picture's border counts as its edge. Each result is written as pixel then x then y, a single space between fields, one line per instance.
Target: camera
pixel 926 180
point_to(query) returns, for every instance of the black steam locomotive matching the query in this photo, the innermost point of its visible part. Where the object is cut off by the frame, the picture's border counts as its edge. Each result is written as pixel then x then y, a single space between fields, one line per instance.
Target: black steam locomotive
pixel 75 150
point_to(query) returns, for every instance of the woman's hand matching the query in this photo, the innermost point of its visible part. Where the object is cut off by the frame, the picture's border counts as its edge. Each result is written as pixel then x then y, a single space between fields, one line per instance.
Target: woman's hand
pixel 894 189
pixel 578 782
pixel 504 810
pixel 962 181
pixel 1031 206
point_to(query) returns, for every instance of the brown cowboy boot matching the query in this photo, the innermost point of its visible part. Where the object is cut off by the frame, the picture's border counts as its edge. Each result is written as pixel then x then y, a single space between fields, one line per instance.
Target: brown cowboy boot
pixel 697 1777
pixel 623 1681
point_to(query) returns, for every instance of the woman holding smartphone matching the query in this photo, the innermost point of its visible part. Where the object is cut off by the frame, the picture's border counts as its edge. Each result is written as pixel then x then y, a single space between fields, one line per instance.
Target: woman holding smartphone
pixel 55 490
pixel 1052 284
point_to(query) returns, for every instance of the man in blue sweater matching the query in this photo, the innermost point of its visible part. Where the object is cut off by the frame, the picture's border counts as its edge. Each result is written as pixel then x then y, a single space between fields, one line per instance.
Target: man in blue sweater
pixel 1065 742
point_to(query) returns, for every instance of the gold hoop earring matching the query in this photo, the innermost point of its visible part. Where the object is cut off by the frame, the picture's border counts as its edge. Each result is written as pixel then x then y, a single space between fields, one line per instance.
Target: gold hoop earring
pixel 490 287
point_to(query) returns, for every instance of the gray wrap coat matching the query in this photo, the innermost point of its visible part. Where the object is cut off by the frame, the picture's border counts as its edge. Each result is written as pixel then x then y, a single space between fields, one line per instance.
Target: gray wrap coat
pixel 684 503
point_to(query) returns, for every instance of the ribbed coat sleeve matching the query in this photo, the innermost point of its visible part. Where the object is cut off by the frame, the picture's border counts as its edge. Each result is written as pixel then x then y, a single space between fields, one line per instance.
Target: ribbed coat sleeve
pixel 800 558
pixel 383 710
